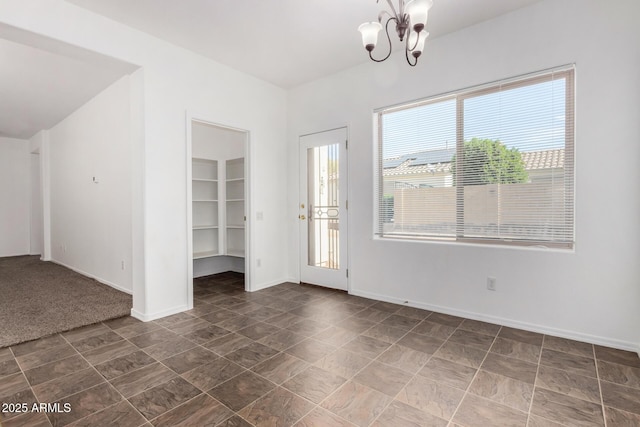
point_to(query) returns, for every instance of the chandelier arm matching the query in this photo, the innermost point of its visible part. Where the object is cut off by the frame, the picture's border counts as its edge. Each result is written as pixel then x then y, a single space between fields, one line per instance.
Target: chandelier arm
pixel 410 49
pixel 395 12
pixel 382 13
pixel 406 54
pixel 386 29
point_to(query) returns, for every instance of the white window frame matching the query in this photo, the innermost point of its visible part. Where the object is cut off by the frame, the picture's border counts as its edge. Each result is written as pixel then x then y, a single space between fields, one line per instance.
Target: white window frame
pixel 566 72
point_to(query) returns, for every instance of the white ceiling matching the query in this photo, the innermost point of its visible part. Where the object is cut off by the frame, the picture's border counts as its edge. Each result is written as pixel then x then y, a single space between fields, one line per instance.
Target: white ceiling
pixel 285 42
pixel 40 86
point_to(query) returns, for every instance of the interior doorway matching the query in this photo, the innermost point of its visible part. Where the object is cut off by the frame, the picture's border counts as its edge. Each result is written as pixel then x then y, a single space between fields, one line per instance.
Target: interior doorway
pixel 323 209
pixel 217 203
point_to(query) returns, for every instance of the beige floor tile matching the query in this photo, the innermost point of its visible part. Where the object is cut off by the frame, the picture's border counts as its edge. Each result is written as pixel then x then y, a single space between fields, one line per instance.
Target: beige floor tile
pixel 279 407
pixel 383 378
pixel 519 350
pixel 432 397
pixel 461 354
pixel 357 403
pixel 404 358
pixel 510 367
pixel 568 383
pixel 621 397
pixel 568 346
pixel 475 411
pixel 448 373
pixel 504 390
pixel 566 409
pixel 619 374
pixel 569 362
pixel 616 417
pixel 399 414
pixel 322 418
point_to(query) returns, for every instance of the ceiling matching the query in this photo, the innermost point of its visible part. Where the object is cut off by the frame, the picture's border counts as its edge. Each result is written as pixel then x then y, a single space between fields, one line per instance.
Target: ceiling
pixel 40 86
pixel 285 42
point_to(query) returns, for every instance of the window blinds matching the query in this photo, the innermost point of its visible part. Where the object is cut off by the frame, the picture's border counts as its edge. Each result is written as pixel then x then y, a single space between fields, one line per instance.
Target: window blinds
pixel 493 163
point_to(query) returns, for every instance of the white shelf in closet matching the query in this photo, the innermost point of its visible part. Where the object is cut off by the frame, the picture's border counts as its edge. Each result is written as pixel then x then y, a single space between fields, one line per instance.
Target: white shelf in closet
pixel 234 207
pixel 239 254
pixel 208 254
pixel 206 236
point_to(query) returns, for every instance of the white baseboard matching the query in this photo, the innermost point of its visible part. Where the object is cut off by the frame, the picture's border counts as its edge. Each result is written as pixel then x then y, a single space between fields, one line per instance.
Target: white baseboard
pixel 260 286
pixel 11 254
pixel 158 315
pixel 562 333
pixel 99 279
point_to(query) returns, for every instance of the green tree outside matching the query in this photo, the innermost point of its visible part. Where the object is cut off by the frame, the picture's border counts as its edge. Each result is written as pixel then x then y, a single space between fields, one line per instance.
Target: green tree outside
pixel 488 161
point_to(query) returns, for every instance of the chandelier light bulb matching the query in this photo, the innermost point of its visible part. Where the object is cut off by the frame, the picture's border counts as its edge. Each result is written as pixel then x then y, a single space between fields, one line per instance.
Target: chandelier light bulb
pixel 418 11
pixel 369 31
pixel 416 41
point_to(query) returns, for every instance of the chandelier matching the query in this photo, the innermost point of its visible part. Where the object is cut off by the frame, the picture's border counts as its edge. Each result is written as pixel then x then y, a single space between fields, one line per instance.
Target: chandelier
pixel 410 20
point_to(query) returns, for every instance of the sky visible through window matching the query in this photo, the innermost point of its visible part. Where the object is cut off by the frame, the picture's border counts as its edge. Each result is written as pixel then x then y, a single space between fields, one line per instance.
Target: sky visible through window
pixel 529 118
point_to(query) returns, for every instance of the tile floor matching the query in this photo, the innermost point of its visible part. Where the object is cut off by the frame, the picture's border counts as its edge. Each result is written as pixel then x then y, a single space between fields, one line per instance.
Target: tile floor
pixel 307 356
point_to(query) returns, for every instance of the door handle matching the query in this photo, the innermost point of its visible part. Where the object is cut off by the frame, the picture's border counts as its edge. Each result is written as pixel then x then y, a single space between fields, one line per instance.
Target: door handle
pixel 302 217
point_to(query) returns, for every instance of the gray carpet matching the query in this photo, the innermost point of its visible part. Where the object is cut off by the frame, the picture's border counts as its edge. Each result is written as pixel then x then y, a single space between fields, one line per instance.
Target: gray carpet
pixel 40 298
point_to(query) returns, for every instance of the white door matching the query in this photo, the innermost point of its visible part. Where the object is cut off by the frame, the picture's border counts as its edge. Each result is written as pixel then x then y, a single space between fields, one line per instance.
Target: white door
pixel 322 209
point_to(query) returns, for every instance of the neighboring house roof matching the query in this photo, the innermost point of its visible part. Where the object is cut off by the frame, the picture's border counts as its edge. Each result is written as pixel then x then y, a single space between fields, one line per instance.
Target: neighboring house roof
pixel 436 161
pixel 419 163
pixel 547 159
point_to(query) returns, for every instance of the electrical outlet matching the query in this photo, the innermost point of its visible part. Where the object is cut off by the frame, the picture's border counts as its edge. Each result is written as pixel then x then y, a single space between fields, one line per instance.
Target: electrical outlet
pixel 122 264
pixel 491 283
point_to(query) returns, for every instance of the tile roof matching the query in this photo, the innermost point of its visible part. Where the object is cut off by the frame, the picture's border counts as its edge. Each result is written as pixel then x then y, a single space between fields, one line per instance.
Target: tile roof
pixel 435 161
pixel 547 159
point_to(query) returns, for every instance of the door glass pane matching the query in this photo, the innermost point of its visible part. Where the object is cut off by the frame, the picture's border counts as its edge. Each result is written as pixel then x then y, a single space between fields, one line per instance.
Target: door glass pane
pixel 324 211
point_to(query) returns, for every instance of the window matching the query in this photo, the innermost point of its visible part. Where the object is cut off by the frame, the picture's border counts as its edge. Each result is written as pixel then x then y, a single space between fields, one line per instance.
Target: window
pixel 490 164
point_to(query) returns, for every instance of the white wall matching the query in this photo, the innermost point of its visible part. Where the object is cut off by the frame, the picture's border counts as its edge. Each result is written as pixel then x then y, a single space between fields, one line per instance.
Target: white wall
pixel 90 165
pixel 216 143
pixel 15 178
pixel 36 242
pixel 41 210
pixel 174 81
pixel 590 294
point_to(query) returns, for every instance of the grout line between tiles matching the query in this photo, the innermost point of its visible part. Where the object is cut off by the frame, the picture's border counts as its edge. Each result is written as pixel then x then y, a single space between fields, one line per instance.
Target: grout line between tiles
pixel 277 385
pixel 159 362
pixel 28 383
pixel 393 398
pixel 595 360
pixel 466 392
pixel 535 380
pixel 105 380
pixel 318 405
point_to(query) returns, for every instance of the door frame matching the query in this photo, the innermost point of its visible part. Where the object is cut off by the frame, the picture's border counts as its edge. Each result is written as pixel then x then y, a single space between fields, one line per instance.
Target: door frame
pixel 347 198
pixel 248 240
